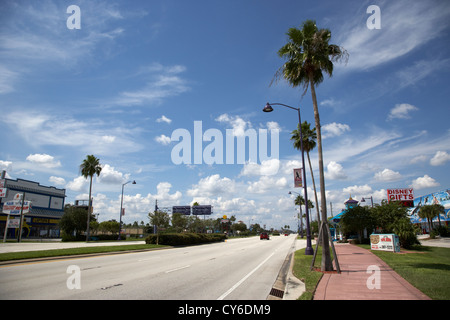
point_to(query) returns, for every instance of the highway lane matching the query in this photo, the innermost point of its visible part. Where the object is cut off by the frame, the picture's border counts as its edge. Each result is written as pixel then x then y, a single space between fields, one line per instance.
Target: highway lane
pixel 236 269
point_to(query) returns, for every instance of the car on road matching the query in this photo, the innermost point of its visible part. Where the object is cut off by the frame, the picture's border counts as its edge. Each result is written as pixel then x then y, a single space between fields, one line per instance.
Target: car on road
pixel 263 236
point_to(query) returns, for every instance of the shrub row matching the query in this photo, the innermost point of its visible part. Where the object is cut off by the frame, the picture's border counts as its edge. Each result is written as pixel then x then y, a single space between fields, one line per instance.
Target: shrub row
pixel 179 239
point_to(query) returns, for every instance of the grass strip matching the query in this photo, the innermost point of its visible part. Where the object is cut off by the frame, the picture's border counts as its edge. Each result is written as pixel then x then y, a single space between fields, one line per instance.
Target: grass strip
pixel 73 251
pixel 426 268
pixel 301 270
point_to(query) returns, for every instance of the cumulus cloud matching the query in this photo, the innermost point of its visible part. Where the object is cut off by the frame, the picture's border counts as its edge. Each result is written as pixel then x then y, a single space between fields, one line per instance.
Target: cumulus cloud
pixel 109 175
pixel 267 167
pixel 164 119
pixel 163 139
pixel 238 124
pixel 57 180
pixel 440 158
pixel 401 111
pixel 44 160
pixel 387 175
pixel 212 186
pixel 424 182
pixel 335 171
pixel 334 129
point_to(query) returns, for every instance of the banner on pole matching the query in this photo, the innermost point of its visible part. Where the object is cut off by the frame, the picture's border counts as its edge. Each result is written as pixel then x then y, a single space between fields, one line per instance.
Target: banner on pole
pixel 298 181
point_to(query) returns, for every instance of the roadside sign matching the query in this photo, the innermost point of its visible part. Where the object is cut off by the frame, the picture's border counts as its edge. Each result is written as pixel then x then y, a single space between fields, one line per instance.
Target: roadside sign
pixel 385 242
pixel 186 210
pixel 201 210
pixel 3 192
pixel 15 207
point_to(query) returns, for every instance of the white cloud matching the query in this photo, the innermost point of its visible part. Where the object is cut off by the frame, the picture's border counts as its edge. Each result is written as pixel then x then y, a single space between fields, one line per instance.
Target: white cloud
pixel 57 180
pixel 335 171
pixel 44 160
pixel 43 128
pixel 440 158
pixel 164 119
pixel 78 184
pixel 163 139
pixel 334 129
pixel 387 175
pixel 109 175
pixel 424 182
pixel 401 111
pixel 238 124
pixel 267 184
pixel 5 165
pixel 167 83
pixel 267 167
pixel 212 186
pixel 400 32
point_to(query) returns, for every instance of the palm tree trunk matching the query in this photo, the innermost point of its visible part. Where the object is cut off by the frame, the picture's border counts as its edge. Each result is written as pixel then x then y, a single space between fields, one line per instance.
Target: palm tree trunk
pixel 89 211
pixel 327 264
pixel 314 186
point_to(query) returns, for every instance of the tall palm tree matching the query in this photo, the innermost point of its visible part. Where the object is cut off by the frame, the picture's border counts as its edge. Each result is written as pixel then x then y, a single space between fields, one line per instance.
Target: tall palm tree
pixel 309 142
pixel 90 167
pixel 308 55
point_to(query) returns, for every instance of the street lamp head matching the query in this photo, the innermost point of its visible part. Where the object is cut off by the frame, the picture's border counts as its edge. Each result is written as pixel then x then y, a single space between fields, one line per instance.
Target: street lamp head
pixel 134 182
pixel 289 192
pixel 268 108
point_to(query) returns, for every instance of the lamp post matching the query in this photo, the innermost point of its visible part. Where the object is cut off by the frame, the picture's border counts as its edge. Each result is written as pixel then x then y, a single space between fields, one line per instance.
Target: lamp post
pixel 268 108
pixel 121 203
pixel 364 200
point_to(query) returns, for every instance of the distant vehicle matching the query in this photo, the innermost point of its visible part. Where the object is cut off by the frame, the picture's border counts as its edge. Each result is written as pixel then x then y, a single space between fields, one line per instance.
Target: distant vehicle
pixel 263 235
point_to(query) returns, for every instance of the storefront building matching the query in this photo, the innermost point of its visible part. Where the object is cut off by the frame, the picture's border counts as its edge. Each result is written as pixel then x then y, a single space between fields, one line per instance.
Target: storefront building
pixel 47 208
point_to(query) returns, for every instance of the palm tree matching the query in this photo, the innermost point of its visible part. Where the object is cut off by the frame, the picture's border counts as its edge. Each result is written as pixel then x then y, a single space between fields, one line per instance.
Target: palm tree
pixel 431 211
pixel 299 201
pixel 309 142
pixel 90 167
pixel 309 54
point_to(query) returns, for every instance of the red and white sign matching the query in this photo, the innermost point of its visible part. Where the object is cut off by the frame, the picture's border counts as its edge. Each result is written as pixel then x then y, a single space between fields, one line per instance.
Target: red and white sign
pixel 406 194
pixel 15 207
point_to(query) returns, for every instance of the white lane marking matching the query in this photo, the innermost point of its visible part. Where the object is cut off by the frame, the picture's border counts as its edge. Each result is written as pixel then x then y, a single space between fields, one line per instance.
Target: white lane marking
pixel 244 278
pixel 184 267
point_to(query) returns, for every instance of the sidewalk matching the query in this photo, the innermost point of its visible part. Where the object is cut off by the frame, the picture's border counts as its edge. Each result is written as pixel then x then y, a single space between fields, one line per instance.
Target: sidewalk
pixel 352 282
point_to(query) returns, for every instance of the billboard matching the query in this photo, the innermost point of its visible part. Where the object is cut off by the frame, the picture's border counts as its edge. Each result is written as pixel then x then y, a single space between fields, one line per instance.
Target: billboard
pixel 202 210
pixel 186 210
pixel 405 196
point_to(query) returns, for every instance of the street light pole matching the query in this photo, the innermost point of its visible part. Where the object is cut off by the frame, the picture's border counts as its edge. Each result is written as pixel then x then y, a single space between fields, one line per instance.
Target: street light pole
pixel 268 108
pixel 121 204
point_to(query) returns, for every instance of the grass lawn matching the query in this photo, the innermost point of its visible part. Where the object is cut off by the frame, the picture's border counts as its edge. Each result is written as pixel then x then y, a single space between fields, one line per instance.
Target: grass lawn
pixel 73 251
pixel 426 268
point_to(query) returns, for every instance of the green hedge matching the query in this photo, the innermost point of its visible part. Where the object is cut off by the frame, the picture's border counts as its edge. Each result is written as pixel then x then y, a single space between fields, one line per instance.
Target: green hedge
pixel 179 239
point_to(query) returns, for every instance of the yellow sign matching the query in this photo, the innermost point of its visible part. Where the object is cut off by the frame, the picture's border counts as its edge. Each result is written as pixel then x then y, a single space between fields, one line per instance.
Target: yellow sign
pixel 225 216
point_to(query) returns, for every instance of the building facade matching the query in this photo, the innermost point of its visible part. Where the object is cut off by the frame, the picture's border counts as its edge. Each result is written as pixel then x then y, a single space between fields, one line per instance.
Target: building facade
pixel 47 208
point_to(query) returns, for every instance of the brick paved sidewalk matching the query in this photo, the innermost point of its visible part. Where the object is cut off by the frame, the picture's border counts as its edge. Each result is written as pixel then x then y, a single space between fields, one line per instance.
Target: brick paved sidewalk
pixel 352 282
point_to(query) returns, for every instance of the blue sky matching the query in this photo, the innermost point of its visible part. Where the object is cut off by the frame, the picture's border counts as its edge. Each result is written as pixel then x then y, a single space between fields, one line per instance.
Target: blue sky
pixel 138 70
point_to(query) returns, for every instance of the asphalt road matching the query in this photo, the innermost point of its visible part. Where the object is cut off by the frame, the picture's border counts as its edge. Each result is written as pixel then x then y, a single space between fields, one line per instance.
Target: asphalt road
pixel 236 269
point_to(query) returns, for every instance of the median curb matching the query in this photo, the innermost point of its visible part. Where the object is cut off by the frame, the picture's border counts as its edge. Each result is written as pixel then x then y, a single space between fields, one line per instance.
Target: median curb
pixel 74 256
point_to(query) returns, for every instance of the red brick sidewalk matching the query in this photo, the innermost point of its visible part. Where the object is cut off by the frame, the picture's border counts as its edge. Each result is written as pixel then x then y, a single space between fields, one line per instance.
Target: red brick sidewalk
pixel 353 282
